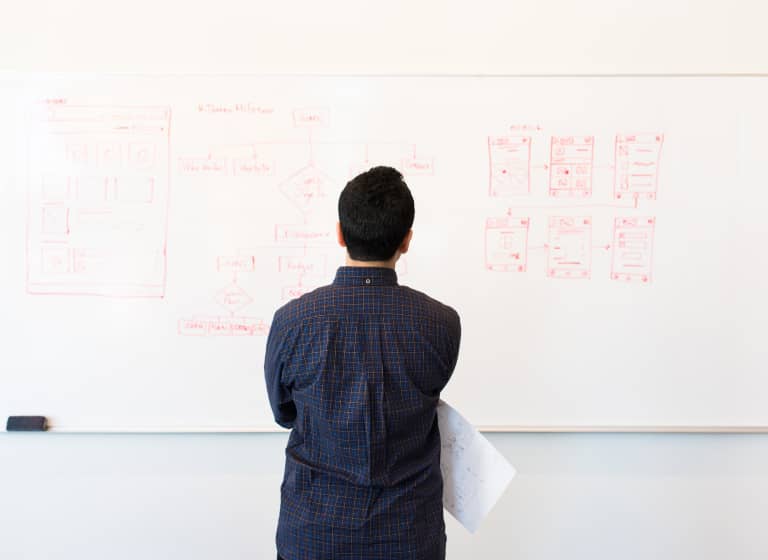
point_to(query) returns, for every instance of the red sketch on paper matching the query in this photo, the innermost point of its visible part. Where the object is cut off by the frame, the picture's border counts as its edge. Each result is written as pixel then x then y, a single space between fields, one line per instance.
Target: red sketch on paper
pixel 570 170
pixel 293 292
pixel 417 166
pixel 203 166
pixel 307 188
pixel 637 165
pixel 510 165
pixel 243 107
pixel 77 154
pixel 304 234
pixel 98 178
pixel 222 326
pixel 506 244
pixel 570 247
pixel 233 298
pixel 311 117
pixel 633 249
pixel 110 155
pixel 236 264
pixel 253 166
pixel 362 165
pixel 55 260
pixel 141 156
pixel 193 327
pixel 91 262
pixel 55 220
pixel 306 265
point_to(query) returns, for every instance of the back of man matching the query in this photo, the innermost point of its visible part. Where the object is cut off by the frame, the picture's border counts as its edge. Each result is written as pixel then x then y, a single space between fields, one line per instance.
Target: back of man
pixel 356 369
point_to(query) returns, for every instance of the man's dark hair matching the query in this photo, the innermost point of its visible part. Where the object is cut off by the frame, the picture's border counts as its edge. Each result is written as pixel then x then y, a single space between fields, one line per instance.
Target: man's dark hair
pixel 376 212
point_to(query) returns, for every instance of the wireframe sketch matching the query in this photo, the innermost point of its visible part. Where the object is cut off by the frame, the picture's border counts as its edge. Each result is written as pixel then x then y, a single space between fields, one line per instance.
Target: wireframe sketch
pixel 98 201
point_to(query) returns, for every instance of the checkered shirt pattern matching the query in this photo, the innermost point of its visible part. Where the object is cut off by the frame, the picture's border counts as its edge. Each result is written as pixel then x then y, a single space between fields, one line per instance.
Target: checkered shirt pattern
pixel 355 369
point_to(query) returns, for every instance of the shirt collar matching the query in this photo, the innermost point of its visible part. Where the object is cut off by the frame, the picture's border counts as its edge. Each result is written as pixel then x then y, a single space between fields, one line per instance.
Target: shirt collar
pixel 365 276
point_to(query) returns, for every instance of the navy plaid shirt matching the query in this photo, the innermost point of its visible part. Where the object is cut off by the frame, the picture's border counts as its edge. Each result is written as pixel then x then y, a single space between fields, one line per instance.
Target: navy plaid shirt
pixel 356 369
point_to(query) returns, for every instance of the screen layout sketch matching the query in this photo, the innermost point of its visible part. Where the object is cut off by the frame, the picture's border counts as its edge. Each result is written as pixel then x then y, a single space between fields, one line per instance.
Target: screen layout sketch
pixel 98 181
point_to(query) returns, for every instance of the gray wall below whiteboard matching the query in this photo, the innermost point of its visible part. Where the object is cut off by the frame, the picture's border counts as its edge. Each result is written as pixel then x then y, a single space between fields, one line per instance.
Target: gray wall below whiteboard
pixel 199 497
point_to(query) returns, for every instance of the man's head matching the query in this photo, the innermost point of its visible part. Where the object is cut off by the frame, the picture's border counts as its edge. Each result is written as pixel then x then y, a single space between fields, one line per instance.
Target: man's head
pixel 376 214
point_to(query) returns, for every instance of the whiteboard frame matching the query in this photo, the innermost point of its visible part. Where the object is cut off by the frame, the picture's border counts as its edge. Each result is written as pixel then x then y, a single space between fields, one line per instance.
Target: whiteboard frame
pixel 585 429
pixel 126 430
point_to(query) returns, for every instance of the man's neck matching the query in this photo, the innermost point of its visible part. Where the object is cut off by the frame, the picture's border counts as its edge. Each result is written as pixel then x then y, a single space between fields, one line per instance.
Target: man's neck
pixel 373 264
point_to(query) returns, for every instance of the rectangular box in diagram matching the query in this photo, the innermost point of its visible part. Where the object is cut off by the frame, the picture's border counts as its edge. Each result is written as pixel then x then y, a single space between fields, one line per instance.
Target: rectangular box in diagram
pixel 570 166
pixel 55 221
pixel 99 179
pixel 252 166
pixel 413 166
pixel 298 235
pixel 633 249
pixel 311 117
pixel 570 247
pixel 510 165
pixel 238 263
pixel 205 166
pixel 637 165
pixel 222 326
pixel 506 244
pixel 305 265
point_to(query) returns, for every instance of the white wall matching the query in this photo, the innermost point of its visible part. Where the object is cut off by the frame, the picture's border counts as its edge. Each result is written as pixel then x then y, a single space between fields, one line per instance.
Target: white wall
pixel 215 496
pixel 200 497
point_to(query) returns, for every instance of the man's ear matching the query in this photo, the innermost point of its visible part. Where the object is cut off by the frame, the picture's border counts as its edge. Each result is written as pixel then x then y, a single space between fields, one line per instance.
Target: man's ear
pixel 339 235
pixel 406 242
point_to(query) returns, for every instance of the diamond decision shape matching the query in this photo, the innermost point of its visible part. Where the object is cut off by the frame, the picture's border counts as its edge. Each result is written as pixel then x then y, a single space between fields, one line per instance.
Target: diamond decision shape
pixel 233 298
pixel 306 188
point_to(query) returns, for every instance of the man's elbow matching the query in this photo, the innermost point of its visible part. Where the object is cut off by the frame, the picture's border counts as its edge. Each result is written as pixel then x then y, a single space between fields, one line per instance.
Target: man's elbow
pixel 285 415
pixel 287 424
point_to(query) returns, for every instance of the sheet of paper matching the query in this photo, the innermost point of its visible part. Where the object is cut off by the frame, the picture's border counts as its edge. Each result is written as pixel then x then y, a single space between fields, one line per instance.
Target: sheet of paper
pixel 475 474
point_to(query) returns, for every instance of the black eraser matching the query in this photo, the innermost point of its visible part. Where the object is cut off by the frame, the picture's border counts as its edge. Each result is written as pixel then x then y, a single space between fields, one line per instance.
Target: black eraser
pixel 26 424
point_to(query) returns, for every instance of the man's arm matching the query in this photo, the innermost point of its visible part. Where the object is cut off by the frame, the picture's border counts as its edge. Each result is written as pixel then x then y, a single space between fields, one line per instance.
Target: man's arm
pixel 280 398
pixel 454 335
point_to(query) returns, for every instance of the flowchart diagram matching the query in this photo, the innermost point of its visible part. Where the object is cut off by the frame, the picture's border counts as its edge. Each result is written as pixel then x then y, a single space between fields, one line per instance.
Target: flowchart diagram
pixel 99 190
pixel 300 253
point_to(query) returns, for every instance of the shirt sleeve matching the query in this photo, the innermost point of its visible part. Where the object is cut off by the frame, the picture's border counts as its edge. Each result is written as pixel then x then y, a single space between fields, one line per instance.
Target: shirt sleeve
pixel 280 398
pixel 453 330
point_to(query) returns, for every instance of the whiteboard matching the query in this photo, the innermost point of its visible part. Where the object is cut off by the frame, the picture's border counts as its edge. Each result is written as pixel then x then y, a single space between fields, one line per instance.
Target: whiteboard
pixel 603 239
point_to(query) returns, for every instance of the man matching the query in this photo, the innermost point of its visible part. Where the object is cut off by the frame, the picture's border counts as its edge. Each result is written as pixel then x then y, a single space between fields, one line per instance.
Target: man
pixel 355 369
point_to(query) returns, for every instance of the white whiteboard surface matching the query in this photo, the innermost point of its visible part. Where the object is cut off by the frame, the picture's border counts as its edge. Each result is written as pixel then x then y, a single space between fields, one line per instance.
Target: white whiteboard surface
pixel 603 239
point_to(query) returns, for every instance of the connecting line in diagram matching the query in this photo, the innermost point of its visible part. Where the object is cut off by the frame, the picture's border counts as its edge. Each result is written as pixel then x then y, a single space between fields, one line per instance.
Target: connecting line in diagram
pixel 571 165
pixel 302 247
pixel 570 247
pixel 571 176
pixel 233 298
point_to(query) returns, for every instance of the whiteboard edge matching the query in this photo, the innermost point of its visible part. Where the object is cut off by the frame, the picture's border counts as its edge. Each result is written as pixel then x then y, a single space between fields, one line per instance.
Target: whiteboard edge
pixel 485 429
